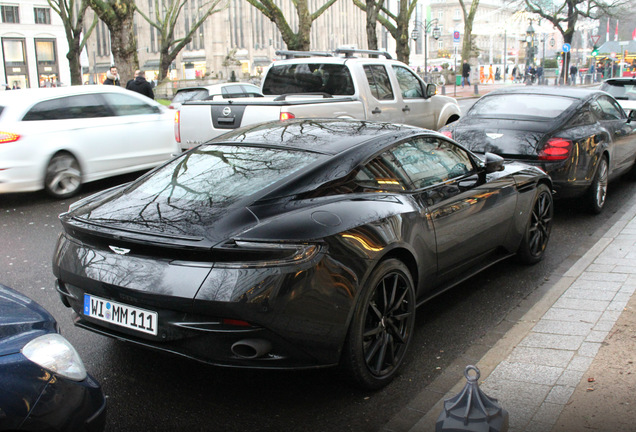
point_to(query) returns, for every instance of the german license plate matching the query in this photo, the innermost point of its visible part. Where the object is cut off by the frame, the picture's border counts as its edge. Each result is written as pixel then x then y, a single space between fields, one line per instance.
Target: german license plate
pixel 120 314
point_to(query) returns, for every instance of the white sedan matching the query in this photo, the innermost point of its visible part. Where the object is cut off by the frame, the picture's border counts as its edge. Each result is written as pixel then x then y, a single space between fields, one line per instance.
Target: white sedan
pixel 58 138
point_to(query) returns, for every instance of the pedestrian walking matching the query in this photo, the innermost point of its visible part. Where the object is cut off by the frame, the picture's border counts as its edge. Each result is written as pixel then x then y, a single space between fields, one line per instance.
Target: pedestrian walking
pixel 140 85
pixel 491 77
pixel 112 77
pixel 573 71
pixel 465 73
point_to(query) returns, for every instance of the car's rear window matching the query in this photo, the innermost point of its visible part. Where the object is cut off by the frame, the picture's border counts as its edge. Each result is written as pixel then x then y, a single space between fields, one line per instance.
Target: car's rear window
pixel 521 105
pixel 222 174
pixel 621 90
pixel 186 95
pixel 334 79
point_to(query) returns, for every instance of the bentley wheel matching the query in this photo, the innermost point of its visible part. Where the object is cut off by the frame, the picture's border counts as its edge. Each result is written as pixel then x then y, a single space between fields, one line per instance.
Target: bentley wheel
pixel 598 189
pixel 537 233
pixel 382 326
pixel 63 177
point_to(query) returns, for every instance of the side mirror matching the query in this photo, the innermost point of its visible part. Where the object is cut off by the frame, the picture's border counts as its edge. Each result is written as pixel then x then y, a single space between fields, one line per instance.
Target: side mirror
pixel 631 116
pixel 431 90
pixel 493 163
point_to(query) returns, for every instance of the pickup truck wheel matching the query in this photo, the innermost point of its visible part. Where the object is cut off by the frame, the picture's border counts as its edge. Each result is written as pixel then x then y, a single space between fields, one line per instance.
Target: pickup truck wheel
pixel 382 326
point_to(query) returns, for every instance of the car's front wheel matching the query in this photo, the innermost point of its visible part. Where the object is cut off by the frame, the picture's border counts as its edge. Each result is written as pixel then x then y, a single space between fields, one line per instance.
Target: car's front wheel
pixel 598 189
pixel 537 232
pixel 382 326
pixel 63 176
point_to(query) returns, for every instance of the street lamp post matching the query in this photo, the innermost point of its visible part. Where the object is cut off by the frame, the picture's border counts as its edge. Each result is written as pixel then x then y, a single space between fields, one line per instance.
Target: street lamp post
pixel 415 34
pixel 529 51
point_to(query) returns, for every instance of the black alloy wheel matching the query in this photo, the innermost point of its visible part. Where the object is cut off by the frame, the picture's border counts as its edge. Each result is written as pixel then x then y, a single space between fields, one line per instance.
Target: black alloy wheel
pixel 63 177
pixel 537 234
pixel 382 326
pixel 598 189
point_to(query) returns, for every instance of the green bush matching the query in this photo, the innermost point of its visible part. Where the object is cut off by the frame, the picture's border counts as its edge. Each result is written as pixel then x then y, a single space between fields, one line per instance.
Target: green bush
pixel 550 63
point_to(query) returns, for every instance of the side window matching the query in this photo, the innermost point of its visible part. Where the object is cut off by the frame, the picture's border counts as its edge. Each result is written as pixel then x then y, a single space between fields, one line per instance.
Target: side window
pixel 583 118
pixel 382 173
pixel 71 107
pixel 410 86
pixel 125 105
pixel 379 82
pixel 609 109
pixel 429 161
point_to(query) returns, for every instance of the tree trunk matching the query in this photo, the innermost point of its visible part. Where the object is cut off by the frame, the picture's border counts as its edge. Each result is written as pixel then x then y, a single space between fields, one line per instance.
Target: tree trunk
pixel 372 18
pixel 165 60
pixel 124 47
pixel 75 66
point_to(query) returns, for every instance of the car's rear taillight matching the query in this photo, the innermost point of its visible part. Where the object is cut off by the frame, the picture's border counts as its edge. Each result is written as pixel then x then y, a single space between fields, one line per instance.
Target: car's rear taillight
pixel 177 126
pixel 7 137
pixel 447 133
pixel 286 116
pixel 556 149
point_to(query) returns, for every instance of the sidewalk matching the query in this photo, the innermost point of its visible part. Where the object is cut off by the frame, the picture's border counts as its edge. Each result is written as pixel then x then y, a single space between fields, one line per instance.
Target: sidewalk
pixel 469 90
pixel 566 363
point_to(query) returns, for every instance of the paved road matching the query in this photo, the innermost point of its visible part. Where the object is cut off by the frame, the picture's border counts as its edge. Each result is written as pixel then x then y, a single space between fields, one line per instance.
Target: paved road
pixel 150 391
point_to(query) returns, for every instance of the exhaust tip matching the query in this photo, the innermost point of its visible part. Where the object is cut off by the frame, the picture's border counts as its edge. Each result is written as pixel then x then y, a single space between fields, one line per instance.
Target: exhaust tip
pixel 251 348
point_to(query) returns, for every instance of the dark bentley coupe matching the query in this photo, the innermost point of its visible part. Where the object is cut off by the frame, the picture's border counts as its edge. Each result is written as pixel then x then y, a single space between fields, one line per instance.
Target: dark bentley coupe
pixel 296 244
pixel 582 138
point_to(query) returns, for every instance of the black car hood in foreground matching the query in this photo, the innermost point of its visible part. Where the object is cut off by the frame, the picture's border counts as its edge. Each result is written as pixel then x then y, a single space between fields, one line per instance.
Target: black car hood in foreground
pixel 20 320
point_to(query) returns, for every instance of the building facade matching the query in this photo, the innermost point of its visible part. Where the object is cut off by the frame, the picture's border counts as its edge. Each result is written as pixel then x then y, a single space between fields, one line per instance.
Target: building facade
pixel 33 44
pixel 239 40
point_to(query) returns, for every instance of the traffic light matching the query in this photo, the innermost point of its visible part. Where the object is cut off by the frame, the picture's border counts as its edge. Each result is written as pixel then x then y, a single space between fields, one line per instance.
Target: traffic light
pixel 595 51
pixel 559 56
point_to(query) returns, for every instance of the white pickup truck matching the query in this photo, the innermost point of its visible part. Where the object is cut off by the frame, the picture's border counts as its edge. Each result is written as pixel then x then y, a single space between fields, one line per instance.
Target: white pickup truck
pixel 323 85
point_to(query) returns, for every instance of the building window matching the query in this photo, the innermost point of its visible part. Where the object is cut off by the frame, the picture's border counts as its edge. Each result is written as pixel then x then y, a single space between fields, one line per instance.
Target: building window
pixel 10 14
pixel 42 15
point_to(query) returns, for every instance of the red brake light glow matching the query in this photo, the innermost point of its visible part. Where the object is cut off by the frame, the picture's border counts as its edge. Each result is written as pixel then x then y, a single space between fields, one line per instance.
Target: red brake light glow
pixel 556 149
pixel 447 133
pixel 177 126
pixel 236 322
pixel 7 137
pixel 286 116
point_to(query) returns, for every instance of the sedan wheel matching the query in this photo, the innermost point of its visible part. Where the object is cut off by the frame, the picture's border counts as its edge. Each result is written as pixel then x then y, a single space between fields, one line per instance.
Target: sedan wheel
pixel 63 176
pixel 598 189
pixel 537 233
pixel 382 326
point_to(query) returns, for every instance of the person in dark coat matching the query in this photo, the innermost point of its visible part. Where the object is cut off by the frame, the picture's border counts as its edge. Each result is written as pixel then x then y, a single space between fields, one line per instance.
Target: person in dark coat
pixel 112 77
pixel 140 85
pixel 465 73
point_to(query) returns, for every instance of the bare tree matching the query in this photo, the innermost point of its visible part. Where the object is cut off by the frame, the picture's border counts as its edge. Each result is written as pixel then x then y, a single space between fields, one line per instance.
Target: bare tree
pixel 72 14
pixel 118 16
pixel 294 40
pixel 563 14
pixel 166 15
pixel 372 10
pixel 469 18
pixel 396 24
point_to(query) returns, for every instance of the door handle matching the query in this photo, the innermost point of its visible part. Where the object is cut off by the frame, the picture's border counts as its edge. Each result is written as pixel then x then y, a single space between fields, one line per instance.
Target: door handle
pixel 406 108
pixel 376 111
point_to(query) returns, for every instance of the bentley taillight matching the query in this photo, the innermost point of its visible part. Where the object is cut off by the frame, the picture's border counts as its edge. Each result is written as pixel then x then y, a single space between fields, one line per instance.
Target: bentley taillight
pixel 556 149
pixel 7 137
pixel 447 133
pixel 286 116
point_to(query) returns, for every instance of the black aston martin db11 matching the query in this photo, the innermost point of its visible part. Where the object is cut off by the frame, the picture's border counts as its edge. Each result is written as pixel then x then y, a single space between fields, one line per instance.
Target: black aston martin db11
pixel 581 137
pixel 297 244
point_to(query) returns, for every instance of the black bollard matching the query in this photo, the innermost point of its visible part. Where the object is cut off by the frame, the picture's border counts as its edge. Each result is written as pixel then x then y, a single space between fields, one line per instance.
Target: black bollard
pixel 472 410
pixel 443 89
pixel 476 89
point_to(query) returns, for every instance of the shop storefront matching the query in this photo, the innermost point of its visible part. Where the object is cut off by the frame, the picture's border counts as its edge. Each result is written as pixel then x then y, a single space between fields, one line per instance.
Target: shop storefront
pixel 15 64
pixel 47 63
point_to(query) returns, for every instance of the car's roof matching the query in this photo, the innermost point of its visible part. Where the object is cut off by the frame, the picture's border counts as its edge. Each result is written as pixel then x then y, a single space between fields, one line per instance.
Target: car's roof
pixel 216 87
pixel 327 136
pixel 28 96
pixel 571 92
pixel 621 80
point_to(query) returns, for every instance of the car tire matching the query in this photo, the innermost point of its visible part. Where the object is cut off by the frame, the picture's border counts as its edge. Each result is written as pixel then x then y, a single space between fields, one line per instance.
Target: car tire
pixel 382 326
pixel 597 193
pixel 63 177
pixel 537 232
